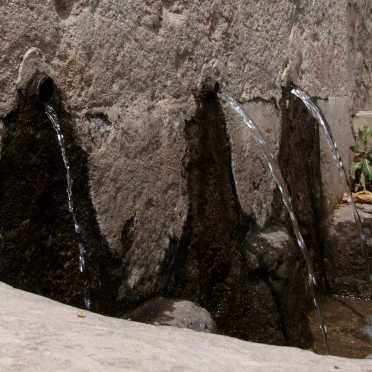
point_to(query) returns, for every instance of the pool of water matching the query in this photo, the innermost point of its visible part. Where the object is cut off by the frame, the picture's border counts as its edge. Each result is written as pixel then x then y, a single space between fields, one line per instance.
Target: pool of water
pixel 349 324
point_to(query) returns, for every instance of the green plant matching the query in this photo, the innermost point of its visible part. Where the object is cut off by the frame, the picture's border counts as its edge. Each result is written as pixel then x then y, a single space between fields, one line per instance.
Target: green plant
pixel 361 167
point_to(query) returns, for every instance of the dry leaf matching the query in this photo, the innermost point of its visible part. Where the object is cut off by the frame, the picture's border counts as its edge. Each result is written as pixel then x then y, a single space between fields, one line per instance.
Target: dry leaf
pixel 345 198
pixel 362 197
pixel 81 314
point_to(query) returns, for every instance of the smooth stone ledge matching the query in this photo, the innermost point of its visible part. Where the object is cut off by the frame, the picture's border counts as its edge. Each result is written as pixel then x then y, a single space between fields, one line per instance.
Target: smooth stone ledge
pixel 38 334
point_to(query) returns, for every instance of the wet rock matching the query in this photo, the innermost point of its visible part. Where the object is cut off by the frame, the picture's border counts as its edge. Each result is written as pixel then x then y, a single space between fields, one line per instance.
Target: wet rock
pixel 272 250
pixel 345 261
pixel 39 247
pixel 175 313
pixel 273 256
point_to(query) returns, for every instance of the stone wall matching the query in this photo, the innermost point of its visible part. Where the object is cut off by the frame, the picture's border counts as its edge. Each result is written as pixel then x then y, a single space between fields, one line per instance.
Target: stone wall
pixel 127 73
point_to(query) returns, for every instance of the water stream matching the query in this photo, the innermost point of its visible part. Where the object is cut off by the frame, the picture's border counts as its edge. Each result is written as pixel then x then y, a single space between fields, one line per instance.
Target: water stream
pixel 53 117
pixel 287 200
pixel 317 114
pixel 349 325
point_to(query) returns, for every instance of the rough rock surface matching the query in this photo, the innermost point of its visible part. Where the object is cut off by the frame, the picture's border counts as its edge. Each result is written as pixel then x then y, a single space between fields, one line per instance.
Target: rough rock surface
pixel 175 313
pixel 174 190
pixel 99 73
pixel 299 161
pixel 272 259
pixel 254 184
pixel 338 111
pixel 38 334
pixel 346 266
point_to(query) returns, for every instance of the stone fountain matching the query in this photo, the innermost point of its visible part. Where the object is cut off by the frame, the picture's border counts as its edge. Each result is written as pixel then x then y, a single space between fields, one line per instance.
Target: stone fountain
pixel 172 194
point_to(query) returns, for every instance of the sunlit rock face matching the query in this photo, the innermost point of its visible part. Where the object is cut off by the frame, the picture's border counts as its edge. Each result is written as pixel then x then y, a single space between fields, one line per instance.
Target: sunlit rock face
pixel 176 183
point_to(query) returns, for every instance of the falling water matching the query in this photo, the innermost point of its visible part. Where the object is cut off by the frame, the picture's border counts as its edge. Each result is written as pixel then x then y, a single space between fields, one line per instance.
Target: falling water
pixel 53 117
pixel 287 200
pixel 317 114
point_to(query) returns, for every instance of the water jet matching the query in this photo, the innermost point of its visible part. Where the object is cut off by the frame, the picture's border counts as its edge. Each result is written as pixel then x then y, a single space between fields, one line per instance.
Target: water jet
pixel 47 218
pixel 318 115
pixel 287 201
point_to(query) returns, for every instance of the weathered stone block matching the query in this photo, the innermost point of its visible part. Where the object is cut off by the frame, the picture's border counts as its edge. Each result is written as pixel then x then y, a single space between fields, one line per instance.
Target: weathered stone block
pixel 345 260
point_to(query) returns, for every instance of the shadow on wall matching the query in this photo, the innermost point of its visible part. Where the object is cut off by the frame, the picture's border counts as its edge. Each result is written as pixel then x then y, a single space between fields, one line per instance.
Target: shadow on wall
pixel 212 267
pixel 38 247
pixel 299 160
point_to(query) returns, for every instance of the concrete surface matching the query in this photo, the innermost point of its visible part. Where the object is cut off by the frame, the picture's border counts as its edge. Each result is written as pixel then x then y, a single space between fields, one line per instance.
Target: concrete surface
pixel 38 334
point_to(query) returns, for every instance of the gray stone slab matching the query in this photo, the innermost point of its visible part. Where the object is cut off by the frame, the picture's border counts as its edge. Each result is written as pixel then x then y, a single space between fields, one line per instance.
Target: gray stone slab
pixel 38 334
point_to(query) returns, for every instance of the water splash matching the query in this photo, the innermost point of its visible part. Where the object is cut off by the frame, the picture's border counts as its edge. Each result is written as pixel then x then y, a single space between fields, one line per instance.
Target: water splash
pixel 53 117
pixel 287 200
pixel 317 114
